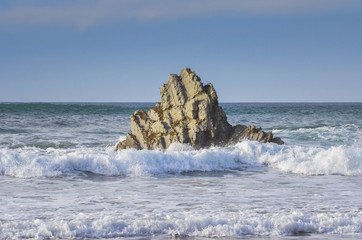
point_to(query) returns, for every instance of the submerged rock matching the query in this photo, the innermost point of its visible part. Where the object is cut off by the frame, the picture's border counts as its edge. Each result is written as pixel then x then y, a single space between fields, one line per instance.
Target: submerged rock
pixel 189 113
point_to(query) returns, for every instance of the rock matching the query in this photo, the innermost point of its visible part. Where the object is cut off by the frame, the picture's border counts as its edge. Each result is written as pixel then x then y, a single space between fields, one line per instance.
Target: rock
pixel 241 132
pixel 189 113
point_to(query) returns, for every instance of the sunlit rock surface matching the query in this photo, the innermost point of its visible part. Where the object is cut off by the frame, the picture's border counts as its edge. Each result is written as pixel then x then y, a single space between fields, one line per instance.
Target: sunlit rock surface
pixel 189 113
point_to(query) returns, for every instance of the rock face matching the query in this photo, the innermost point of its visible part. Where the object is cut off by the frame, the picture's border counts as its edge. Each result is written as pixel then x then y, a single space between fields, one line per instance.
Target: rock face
pixel 188 113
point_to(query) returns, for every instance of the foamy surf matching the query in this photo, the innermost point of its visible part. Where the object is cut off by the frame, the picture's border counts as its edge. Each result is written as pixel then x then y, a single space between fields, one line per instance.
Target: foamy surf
pixel 35 162
pixel 61 178
pixel 186 224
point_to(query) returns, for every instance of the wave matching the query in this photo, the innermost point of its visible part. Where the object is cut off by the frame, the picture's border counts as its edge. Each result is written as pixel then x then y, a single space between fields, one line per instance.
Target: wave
pixel 322 135
pixel 186 224
pixel 179 158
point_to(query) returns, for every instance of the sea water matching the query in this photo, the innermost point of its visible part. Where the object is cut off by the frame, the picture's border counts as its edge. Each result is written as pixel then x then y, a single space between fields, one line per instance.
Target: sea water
pixel 61 178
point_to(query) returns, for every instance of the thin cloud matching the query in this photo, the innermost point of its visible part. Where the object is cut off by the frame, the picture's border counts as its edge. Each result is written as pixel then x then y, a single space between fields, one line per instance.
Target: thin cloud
pixel 83 14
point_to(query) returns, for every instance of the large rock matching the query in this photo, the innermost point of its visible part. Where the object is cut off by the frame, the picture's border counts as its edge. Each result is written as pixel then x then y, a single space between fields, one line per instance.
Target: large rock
pixel 189 113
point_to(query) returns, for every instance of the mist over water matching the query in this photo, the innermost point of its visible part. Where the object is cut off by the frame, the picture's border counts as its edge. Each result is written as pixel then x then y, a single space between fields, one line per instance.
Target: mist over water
pixel 61 178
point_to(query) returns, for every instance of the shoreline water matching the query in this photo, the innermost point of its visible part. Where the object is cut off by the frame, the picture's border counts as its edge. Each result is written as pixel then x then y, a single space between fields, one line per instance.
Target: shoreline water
pixel 61 178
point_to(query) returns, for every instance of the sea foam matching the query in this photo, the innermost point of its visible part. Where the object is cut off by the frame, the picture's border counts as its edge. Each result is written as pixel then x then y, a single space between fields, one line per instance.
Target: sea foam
pixel 192 224
pixel 35 162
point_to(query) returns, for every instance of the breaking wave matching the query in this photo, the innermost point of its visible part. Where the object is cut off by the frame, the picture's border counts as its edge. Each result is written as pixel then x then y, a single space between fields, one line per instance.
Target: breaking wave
pixel 187 224
pixel 179 158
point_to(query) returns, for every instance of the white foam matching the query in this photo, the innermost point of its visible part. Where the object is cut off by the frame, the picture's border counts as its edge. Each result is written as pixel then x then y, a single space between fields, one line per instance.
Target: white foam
pixel 34 162
pixel 122 138
pixel 179 147
pixel 193 224
pixel 316 161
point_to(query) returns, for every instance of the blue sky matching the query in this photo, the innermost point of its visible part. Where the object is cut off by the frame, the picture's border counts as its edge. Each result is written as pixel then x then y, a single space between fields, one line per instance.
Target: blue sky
pixel 123 50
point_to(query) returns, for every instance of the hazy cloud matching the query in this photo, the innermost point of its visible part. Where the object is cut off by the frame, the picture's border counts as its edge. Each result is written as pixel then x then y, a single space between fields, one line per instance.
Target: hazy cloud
pixel 83 14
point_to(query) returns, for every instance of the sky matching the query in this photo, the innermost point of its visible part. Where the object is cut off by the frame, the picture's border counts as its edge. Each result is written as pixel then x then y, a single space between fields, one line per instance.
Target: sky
pixel 124 50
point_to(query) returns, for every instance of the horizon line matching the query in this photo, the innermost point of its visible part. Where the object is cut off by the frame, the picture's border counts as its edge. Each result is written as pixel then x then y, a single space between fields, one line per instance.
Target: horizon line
pixel 79 102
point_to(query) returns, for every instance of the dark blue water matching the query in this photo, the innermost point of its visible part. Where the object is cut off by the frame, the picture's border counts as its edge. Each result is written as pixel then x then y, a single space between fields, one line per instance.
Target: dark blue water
pixel 66 125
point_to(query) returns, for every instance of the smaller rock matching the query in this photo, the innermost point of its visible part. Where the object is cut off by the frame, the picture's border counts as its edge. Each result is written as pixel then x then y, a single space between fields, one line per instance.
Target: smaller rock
pixel 242 132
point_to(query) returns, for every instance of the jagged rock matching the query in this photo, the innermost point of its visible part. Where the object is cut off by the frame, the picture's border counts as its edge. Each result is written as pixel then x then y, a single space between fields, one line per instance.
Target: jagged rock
pixel 189 113
pixel 241 132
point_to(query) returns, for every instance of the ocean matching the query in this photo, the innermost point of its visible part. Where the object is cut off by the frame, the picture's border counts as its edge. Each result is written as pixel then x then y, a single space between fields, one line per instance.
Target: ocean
pixel 61 178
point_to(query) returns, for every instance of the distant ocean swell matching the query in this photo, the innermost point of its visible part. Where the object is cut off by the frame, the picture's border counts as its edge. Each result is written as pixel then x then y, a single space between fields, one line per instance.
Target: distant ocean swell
pixel 33 162
pixel 221 224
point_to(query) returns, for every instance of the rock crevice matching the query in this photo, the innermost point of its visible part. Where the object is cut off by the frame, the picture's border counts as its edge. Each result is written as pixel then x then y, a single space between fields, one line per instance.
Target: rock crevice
pixel 189 113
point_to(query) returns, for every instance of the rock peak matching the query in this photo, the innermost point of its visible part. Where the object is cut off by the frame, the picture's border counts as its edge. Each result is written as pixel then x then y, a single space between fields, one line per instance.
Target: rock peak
pixel 180 89
pixel 189 113
pixel 186 71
